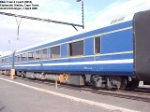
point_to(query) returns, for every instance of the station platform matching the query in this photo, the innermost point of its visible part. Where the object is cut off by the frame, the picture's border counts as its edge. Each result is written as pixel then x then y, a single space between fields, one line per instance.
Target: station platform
pixel 26 96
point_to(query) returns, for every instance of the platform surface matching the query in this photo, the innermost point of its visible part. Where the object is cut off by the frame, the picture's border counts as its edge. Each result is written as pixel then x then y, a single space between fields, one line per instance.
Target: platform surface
pixel 26 96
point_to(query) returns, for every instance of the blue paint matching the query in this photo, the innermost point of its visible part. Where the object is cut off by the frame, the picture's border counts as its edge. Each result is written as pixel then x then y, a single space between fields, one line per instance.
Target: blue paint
pixel 117 42
pixel 90 49
pixel 120 41
pixel 64 54
pixel 86 34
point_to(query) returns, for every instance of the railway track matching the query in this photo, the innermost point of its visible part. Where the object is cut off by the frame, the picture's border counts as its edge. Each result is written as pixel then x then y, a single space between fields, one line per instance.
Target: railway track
pixel 133 95
pixel 138 94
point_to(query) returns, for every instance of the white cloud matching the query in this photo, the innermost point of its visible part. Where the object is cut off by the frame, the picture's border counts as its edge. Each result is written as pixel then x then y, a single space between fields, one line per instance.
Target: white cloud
pixel 122 10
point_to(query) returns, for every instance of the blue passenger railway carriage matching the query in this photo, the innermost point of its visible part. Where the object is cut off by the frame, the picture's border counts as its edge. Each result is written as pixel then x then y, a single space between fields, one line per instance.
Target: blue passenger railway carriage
pixel 116 56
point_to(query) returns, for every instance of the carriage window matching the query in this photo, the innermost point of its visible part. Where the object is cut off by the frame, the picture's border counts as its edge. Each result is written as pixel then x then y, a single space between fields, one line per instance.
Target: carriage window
pixel 30 56
pixel 37 55
pixel 23 57
pixel 6 60
pixel 97 45
pixel 55 52
pixel 18 58
pixel 76 48
pixel 44 54
pixel 2 60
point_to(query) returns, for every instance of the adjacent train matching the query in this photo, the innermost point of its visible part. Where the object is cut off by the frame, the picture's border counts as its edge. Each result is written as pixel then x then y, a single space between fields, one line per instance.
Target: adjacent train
pixel 116 56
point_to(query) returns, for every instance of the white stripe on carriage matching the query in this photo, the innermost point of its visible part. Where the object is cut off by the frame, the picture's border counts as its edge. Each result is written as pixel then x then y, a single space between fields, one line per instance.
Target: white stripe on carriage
pixel 29 65
pixel 92 62
pixel 125 61
pixel 7 66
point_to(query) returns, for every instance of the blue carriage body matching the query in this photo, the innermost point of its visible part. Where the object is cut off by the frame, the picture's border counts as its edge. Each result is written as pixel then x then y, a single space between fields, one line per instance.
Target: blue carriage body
pixel 6 62
pixel 115 57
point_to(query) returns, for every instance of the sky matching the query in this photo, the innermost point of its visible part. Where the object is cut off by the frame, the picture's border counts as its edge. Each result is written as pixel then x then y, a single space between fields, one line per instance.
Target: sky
pixel 98 13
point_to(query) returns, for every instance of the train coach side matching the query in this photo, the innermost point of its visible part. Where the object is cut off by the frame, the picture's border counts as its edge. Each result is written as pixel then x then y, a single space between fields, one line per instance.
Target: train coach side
pixel 6 63
pixel 105 54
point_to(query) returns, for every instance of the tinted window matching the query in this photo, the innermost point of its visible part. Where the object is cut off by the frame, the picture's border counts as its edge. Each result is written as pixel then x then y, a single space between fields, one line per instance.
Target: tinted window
pixel 18 58
pixel 55 52
pixel 30 56
pixel 76 48
pixel 44 54
pixel 97 44
pixel 37 55
pixel 6 60
pixel 23 57
pixel 2 60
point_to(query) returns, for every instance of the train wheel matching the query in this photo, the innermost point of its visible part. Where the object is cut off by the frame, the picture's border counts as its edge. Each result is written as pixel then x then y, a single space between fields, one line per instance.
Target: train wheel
pixel 22 75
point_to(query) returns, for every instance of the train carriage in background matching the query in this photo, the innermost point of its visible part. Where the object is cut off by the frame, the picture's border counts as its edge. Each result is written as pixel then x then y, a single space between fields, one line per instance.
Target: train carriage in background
pixel 116 56
pixel 6 63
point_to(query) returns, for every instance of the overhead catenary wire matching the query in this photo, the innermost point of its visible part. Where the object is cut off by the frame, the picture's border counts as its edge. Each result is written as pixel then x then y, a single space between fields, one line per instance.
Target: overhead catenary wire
pixel 41 19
